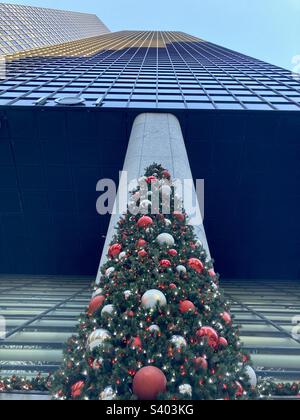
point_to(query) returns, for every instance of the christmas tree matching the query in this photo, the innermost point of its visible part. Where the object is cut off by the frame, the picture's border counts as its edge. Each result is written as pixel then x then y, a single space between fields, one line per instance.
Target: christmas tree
pixel 158 326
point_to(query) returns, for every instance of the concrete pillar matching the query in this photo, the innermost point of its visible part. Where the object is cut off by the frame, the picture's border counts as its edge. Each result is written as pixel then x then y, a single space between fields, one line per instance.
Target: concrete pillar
pixel 156 138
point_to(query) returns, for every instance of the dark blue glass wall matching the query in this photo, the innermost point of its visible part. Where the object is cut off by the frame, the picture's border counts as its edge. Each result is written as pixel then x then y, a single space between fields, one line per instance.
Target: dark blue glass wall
pixel 51 159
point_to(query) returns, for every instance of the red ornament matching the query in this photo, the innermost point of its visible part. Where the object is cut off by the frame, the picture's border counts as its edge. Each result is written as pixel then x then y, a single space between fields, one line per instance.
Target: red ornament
pixel 173 286
pixel 151 179
pixel 179 216
pixel 210 334
pixel 91 362
pixel 114 250
pixel 136 343
pixel 166 174
pixel 144 222
pixel 201 363
pixel 148 383
pixel 186 306
pixel 76 389
pixel 240 389
pixel 95 304
pixel 165 264
pixel 141 243
pixel 223 342
pixel 130 314
pixel 196 265
pixel 142 253
pixel 212 273
pixel 173 252
pixel 226 317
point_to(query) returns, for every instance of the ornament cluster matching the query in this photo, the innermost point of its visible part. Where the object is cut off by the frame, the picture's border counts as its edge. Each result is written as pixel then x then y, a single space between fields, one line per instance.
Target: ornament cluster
pixel 158 326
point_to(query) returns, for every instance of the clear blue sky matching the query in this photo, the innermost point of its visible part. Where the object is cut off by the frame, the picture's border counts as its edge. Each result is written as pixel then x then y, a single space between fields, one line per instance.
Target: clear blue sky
pixel 265 29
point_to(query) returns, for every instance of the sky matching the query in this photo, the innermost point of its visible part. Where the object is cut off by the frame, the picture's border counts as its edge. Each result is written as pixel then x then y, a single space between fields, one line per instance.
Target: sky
pixel 264 29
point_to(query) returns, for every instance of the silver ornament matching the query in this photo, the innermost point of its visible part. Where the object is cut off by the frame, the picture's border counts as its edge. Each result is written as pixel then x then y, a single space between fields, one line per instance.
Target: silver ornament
pixel 142 180
pixel 252 376
pixel 127 294
pixel 108 310
pixel 108 394
pixel 122 255
pixel 152 298
pixel 110 271
pixel 165 239
pixel 186 389
pixel 98 338
pixel 97 292
pixel 144 206
pixel 178 341
pixel 154 328
pixel 181 269
pixel 168 222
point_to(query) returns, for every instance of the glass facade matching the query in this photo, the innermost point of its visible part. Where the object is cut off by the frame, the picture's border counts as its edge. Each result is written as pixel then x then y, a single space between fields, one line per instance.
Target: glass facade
pixel 24 27
pixel 162 70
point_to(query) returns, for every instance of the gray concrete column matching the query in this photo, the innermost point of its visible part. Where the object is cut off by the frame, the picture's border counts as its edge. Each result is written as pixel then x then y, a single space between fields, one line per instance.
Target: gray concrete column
pixel 156 138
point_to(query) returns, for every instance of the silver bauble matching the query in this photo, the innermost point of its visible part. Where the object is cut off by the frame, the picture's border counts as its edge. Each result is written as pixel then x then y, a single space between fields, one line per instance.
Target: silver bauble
pixel 108 394
pixel 168 222
pixel 154 329
pixel 152 298
pixel 108 310
pixel 110 271
pixel 145 205
pixel 97 292
pixel 165 239
pixel 186 389
pixel 178 341
pixel 181 269
pixel 122 255
pixel 127 294
pixel 252 376
pixel 98 338
pixel 142 180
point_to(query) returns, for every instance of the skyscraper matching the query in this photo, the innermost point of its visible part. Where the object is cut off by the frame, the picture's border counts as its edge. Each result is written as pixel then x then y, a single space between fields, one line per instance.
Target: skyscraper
pixel 24 27
pixel 66 114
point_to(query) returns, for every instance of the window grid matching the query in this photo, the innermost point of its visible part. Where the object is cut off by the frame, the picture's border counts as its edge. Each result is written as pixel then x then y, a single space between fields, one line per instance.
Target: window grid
pixel 147 70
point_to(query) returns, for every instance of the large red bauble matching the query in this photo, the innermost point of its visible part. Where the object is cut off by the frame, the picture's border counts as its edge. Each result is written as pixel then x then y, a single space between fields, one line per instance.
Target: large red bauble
pixel 226 317
pixel 76 389
pixel 211 334
pixel 201 363
pixel 186 306
pixel 145 221
pixel 142 253
pixel 179 216
pixel 196 265
pixel 173 252
pixel 148 383
pixel 95 304
pixel 223 342
pixel 114 250
pixel 141 243
pixel 165 263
